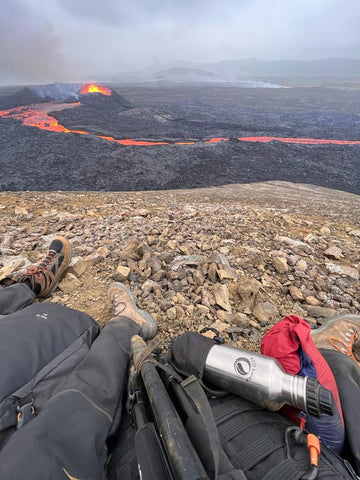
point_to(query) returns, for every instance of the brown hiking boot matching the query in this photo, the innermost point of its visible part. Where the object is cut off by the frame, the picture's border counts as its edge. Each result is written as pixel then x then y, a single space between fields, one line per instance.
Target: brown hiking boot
pixel 341 333
pixel 44 277
pixel 123 305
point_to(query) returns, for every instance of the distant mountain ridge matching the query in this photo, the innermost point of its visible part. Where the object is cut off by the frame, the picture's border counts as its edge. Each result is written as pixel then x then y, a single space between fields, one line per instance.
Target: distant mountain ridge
pixel 257 67
pixel 187 74
pixel 245 69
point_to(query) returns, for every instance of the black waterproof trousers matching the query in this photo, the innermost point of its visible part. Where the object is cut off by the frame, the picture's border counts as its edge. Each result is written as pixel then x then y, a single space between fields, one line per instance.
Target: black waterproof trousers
pixel 67 438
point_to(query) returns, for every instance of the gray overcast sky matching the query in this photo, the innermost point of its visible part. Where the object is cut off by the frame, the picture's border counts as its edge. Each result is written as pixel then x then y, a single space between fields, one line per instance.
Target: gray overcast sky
pixel 69 40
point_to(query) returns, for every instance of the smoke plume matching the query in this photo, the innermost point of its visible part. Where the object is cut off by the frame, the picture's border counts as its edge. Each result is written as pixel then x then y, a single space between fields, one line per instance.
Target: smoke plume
pixel 29 48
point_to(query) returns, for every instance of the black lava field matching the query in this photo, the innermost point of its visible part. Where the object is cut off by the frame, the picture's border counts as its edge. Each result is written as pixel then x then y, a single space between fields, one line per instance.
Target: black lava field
pixel 179 136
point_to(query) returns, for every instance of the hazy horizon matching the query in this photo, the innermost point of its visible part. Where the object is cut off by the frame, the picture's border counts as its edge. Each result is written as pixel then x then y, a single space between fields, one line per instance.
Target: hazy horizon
pixel 65 40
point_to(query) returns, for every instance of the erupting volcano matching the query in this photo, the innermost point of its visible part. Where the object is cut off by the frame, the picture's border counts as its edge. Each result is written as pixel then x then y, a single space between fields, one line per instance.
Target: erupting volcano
pixel 79 137
pixel 92 88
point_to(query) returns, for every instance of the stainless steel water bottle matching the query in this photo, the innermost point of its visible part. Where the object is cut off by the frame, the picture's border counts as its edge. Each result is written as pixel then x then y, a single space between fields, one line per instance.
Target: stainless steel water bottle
pixel 262 380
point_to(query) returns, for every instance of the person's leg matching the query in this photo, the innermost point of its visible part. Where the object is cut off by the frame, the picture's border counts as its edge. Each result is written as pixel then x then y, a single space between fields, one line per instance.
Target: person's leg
pixel 347 376
pixel 15 297
pixel 69 435
pixel 336 339
pixel 39 280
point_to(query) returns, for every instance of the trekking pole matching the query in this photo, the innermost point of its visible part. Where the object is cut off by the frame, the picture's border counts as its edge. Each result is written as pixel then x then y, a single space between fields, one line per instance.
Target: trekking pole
pixel 195 412
pixel 151 456
pixel 183 459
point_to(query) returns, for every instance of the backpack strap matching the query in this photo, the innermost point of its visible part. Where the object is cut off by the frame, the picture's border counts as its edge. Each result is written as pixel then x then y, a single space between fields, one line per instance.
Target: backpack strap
pixel 235 475
pixel 288 468
pixel 243 421
pixel 220 462
pixel 258 451
pixel 226 410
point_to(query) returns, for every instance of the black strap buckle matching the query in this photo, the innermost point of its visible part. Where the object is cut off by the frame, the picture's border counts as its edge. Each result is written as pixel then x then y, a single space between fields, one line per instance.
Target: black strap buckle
pixel 217 338
pixel 26 413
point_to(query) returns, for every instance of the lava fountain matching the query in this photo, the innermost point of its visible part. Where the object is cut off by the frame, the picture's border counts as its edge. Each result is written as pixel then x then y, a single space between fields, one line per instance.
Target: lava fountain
pixel 92 88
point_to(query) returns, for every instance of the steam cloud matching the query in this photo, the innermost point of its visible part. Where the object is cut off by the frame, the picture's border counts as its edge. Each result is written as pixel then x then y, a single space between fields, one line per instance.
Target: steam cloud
pixel 58 91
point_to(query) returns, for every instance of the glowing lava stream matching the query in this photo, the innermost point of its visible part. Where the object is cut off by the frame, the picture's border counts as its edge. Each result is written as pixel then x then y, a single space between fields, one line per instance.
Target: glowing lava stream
pixel 302 141
pixel 36 115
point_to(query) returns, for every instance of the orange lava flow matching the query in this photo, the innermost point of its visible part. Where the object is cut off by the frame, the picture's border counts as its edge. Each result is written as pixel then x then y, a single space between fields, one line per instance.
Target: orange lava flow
pixel 92 88
pixel 37 115
pixel 128 141
pixel 301 141
pixel 216 140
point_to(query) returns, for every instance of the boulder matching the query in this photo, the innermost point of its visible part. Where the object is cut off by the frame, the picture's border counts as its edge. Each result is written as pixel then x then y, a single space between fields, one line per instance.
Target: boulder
pixel 310 300
pixel 221 293
pixel 11 266
pixel 226 274
pixel 247 290
pixel 224 271
pixel 280 264
pixel 334 252
pixel 296 293
pixel 223 316
pixel 240 320
pixel 316 311
pixel 203 309
pixel 301 265
pixel 79 265
pixel 186 260
pixel 291 242
pixel 171 313
pixel 343 269
pixel 122 273
pixel 130 252
pixel 266 312
pixel 21 211
pixel 103 252
pixel 69 283
pixel 212 272
pixel 219 326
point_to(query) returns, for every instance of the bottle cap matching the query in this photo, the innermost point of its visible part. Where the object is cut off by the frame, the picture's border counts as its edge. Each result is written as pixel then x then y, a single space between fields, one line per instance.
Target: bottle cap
pixel 319 400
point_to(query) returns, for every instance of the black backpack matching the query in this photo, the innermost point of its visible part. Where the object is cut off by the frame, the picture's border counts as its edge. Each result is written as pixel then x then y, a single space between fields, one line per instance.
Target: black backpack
pixel 47 342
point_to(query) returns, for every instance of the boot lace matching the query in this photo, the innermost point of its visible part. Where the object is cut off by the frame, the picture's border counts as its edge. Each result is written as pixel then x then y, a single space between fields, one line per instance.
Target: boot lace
pixel 117 306
pixel 34 270
pixel 343 347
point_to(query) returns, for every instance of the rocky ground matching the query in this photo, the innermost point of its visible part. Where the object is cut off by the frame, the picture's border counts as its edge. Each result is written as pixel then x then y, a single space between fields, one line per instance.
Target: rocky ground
pixel 237 258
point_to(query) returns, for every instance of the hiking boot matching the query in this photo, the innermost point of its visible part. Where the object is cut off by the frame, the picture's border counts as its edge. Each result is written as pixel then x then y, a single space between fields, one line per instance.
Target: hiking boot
pixel 123 305
pixel 44 277
pixel 341 333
